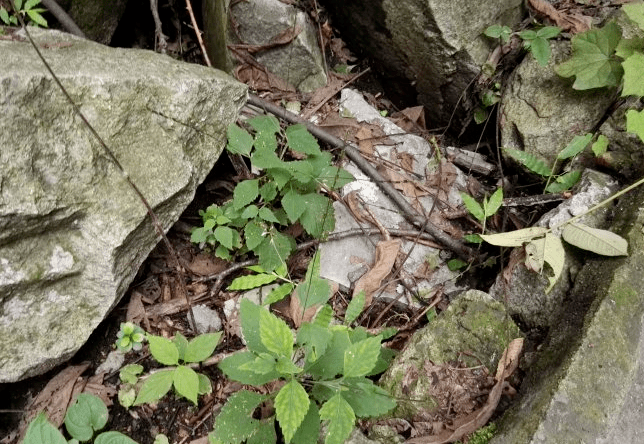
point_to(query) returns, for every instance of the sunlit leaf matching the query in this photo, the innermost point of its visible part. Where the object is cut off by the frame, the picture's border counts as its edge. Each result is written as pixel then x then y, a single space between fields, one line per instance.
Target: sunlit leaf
pixel 514 238
pixel 598 241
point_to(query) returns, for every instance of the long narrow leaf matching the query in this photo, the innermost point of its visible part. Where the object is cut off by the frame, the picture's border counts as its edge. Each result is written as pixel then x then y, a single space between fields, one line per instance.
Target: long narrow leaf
pixel 598 241
pixel 530 161
pixel 514 238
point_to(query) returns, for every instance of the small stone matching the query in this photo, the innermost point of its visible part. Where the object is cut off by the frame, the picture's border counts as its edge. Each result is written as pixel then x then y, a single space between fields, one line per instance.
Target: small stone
pixel 206 319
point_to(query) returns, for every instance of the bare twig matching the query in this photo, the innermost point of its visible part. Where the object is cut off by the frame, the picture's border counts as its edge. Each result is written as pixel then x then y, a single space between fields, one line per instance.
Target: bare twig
pixel 198 33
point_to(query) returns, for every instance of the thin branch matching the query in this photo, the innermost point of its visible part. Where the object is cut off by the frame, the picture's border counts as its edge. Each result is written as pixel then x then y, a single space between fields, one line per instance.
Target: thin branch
pixel 63 18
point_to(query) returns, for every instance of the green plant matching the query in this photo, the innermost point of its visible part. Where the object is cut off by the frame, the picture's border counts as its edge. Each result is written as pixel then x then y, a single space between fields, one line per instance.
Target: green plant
pixel 130 337
pixel 332 361
pixel 287 192
pixel 537 42
pixel 86 416
pixel 489 207
pixel 27 10
pixel 176 353
pixel 129 376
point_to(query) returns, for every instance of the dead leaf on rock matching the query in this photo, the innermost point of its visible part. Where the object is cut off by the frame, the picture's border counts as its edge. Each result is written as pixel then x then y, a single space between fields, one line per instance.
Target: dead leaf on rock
pixel 386 253
pixel 261 79
pixel 206 265
pixel 574 23
pixel 136 311
pixel 340 51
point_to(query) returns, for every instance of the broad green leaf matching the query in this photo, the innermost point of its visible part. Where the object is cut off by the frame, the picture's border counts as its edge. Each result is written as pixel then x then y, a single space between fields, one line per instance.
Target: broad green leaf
pixel 310 428
pixel 456 264
pixel 274 250
pixel 275 334
pixel 330 364
pixel 384 361
pixel 249 314
pixel 253 233
pixel 593 62
pixel 266 159
pixel 264 363
pixel 334 177
pixel 633 75
pixel 302 171
pixel 355 307
pixel 360 358
pixel 498 31
pixel 301 140
pixel 250 212
pixel 635 123
pixel 163 350
pixel 495 202
pixel 291 406
pixel 202 347
pixel 161 439
pixel 600 146
pixel 251 281
pixel 279 293
pixel 232 366
pixel 366 399
pixel 235 422
pixel 313 292
pixel 514 238
pixel 113 437
pixel 265 124
pixel 528 34
pixel 155 387
pixel 128 374
pixel 564 182
pixel 628 47
pixel 548 32
pixel 37 18
pixel 555 256
pixel 598 241
pixel 268 191
pixel 635 12
pixel 473 207
pixel 225 236
pixel 540 49
pixel 576 146
pixel 181 343
pixel 324 316
pixel 186 382
pixel 223 253
pixel 41 431
pixel 239 141
pixel 245 192
pixel 315 340
pixel 126 396
pixel 85 416
pixel 473 238
pixel 530 161
pixel 267 215
pixel 294 204
pixel 286 367
pixel 205 386
pixel 318 217
pixel 341 419
pixel 265 433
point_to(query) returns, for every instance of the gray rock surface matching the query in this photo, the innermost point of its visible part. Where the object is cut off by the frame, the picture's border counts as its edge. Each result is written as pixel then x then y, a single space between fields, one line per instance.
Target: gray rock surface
pixel 436 44
pixel 72 232
pixel 587 385
pixel 98 19
pixel 541 113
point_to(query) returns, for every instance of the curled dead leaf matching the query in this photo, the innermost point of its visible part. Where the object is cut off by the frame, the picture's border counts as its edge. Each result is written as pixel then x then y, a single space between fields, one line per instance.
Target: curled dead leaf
pixel 386 252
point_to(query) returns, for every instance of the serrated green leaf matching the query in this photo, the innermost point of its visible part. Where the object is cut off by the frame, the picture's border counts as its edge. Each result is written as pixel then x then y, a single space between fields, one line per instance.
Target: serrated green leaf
pixel 593 62
pixel 267 215
pixel 315 339
pixel 334 177
pixel 341 419
pixel 302 170
pixel 360 358
pixel 41 431
pixel 266 159
pixel 235 422
pixel 202 347
pixel 265 433
pixel 635 12
pixel 85 416
pixel 528 34
pixel 233 367
pixel 186 382
pixel 37 18
pixel 279 293
pixel 310 428
pixel 576 146
pixel 548 32
pixel 330 364
pixel 181 343
pixel 268 191
pixel 265 124
pixel 473 207
pixel 222 253
pixel 275 334
pixel 294 204
pixel 366 399
pixel 205 386
pixel 495 202
pixel 600 146
pixel 4 16
pixel 253 234
pixel 251 281
pixel 250 212
pixel 514 238
pixel 291 406
pixel 633 78
pixel 324 316
pixel 113 437
pixel 355 307
pixel 239 141
pixel 286 367
pixel 530 161
pixel 245 192
pixel 274 250
pixel 163 350
pixel 540 49
pixel 155 387
pixel 598 241
pixel 564 182
pixel 249 313
pixel 635 123
pixel 301 140
pixel 262 364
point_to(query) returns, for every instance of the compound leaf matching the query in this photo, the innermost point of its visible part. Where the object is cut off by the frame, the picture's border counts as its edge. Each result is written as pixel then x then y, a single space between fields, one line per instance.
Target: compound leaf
pixel 155 387
pixel 163 350
pixel 202 347
pixel 598 241
pixel 186 382
pixel 473 207
pixel 341 419
pixel 530 161
pixel 514 238
pixel 291 406
pixel 593 62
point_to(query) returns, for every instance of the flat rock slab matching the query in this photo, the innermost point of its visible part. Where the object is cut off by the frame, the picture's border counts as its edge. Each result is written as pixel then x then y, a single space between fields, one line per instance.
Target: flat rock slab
pixel 72 232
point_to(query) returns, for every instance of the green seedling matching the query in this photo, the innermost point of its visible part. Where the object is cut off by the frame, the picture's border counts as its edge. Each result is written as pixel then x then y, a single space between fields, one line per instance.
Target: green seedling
pixel 28 10
pixel 489 207
pixel 129 376
pixel 537 42
pixel 130 337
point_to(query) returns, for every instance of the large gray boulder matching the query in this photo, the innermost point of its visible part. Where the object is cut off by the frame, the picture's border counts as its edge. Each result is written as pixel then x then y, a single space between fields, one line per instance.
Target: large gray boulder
pixel 98 19
pixel 72 232
pixel 436 45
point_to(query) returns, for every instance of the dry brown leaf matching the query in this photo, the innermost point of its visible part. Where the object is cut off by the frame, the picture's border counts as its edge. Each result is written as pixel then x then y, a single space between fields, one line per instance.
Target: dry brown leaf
pixel 356 208
pixel 136 310
pixel 206 265
pixel 261 79
pixel 340 51
pixel 323 95
pixel 370 282
pixel 574 23
pixel 477 419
